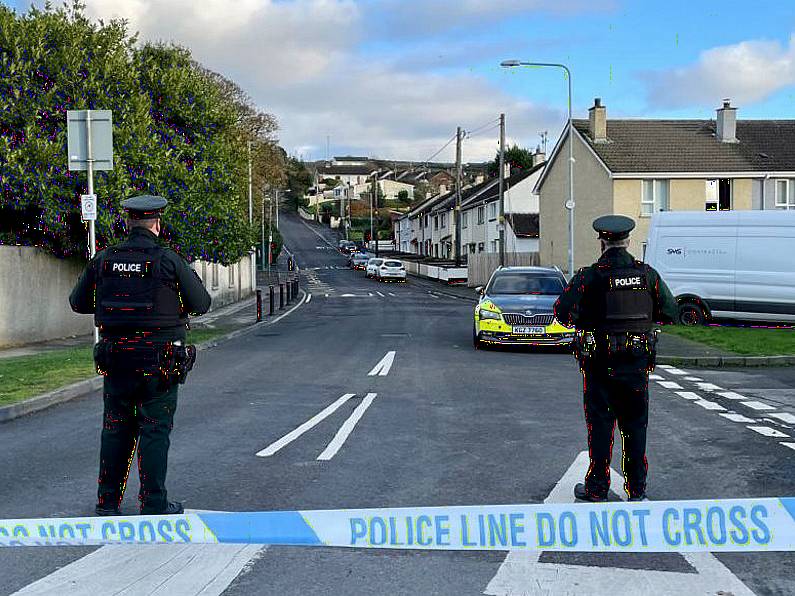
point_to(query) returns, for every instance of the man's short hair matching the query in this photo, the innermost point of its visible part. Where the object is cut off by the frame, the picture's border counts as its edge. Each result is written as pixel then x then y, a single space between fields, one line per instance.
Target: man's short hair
pixel 142 223
pixel 623 243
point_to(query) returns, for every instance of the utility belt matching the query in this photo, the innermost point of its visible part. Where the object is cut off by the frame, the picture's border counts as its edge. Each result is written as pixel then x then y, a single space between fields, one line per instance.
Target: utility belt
pixel 171 360
pixel 590 345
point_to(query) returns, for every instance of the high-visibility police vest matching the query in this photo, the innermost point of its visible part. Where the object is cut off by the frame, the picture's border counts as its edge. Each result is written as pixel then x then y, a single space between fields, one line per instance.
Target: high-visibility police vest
pixel 623 300
pixel 132 291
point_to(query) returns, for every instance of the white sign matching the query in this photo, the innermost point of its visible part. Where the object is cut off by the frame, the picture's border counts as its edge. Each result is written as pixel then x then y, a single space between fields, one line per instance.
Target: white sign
pixel 88 207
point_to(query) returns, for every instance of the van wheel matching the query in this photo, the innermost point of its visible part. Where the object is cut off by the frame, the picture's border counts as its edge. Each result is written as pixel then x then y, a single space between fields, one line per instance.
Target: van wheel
pixel 691 315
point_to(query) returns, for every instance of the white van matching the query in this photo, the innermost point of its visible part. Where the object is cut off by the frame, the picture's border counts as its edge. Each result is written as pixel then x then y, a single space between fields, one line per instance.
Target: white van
pixel 726 264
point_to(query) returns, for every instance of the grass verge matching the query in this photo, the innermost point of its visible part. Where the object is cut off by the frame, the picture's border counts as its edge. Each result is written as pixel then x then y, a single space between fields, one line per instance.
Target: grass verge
pixel 24 377
pixel 747 341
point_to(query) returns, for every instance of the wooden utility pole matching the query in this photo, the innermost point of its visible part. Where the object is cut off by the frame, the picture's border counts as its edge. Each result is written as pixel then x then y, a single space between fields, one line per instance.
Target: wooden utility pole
pixel 374 201
pixel 458 138
pixel 501 220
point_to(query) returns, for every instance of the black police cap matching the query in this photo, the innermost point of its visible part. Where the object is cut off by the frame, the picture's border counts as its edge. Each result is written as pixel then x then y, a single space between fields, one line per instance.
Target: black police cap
pixel 613 227
pixel 144 206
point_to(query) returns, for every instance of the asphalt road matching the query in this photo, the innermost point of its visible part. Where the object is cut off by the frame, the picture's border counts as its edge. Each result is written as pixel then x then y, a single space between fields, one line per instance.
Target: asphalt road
pixel 448 425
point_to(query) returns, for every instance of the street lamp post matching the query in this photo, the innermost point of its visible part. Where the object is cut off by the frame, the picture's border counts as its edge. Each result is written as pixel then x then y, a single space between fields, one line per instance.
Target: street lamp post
pixel 570 203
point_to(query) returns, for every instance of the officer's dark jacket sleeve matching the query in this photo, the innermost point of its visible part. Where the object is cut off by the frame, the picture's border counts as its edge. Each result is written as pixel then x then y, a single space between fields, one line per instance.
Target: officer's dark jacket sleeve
pixel 567 305
pixel 194 297
pixel 666 308
pixel 83 296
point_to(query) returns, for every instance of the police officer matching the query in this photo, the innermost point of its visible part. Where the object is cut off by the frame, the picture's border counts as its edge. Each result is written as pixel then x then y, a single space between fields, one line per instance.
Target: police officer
pixel 613 304
pixel 140 294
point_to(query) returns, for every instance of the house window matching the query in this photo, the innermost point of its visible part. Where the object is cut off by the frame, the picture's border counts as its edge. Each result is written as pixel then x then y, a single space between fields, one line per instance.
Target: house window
pixel 215 275
pixel 719 195
pixel 426 220
pixel 465 219
pixel 435 222
pixel 493 246
pixel 444 220
pixel 785 194
pixel 480 246
pixel 481 214
pixel 492 211
pixel 654 197
pixel 472 248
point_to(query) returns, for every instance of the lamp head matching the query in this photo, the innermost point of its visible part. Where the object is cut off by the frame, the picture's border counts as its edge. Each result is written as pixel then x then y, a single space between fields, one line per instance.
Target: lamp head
pixel 510 63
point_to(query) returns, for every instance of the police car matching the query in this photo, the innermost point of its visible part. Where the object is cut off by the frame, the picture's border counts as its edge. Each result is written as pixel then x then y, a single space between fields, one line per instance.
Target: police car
pixel 516 307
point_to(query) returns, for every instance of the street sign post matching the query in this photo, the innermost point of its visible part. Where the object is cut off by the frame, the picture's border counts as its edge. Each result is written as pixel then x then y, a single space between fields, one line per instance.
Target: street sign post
pixel 89 136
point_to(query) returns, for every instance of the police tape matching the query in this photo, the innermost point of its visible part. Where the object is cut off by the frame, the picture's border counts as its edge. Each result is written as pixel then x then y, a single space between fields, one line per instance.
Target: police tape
pixel 665 526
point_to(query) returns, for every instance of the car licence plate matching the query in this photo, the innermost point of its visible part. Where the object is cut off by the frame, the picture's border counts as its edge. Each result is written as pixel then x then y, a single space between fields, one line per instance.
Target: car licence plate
pixel 529 330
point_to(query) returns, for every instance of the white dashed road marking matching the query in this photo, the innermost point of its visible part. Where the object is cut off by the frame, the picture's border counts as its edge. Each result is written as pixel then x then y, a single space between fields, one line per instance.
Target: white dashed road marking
pixel 734 417
pixel 709 405
pixel 769 432
pixel 676 371
pixel 693 379
pixel 655 378
pixel 308 298
pixel 670 385
pixel 757 405
pixel 709 387
pixel 790 445
pixel 788 418
pixel 731 395
pixel 688 395
pixel 347 428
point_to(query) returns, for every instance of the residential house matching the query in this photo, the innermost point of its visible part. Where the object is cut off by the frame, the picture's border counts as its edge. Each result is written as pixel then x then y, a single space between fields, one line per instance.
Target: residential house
pixel 480 213
pixel 349 170
pixel 637 167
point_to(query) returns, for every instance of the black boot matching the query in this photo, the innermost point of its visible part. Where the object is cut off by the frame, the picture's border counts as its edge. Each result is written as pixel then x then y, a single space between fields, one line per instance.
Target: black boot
pixel 172 508
pixel 582 495
pixel 104 511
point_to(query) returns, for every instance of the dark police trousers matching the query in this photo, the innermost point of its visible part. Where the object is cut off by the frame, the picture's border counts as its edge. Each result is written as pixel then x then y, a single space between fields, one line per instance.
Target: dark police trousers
pixel 616 390
pixel 139 410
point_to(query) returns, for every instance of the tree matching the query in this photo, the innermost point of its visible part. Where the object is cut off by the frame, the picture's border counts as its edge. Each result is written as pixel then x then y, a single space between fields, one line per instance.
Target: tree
pixel 180 131
pixel 403 196
pixel 519 158
pixel 299 180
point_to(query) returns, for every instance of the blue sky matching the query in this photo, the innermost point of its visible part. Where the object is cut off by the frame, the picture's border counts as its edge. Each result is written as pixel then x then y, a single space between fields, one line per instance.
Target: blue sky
pixel 394 78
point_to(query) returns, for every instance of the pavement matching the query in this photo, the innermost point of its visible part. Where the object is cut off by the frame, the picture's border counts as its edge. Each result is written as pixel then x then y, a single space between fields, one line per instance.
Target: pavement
pixel 448 425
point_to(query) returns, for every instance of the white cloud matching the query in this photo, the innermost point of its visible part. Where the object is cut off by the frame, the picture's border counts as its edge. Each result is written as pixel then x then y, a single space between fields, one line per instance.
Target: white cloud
pixel 746 72
pixel 299 60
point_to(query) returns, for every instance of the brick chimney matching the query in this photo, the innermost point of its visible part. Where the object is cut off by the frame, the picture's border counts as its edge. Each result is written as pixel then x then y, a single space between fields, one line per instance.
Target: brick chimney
pixel 597 117
pixel 726 129
pixel 538 157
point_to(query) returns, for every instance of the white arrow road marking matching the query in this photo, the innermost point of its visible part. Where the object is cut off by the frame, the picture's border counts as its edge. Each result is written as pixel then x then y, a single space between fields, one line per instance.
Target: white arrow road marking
pixel 384 365
pixel 313 421
pixel 152 569
pixel 523 572
pixel 346 428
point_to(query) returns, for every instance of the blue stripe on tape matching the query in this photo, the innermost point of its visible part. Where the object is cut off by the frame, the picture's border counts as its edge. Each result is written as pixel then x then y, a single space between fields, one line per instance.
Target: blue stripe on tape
pixel 789 505
pixel 276 527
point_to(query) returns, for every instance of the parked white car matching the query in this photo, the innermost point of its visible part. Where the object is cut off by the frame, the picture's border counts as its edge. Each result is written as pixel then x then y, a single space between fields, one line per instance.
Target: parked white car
pixel 372 267
pixel 727 264
pixel 391 269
